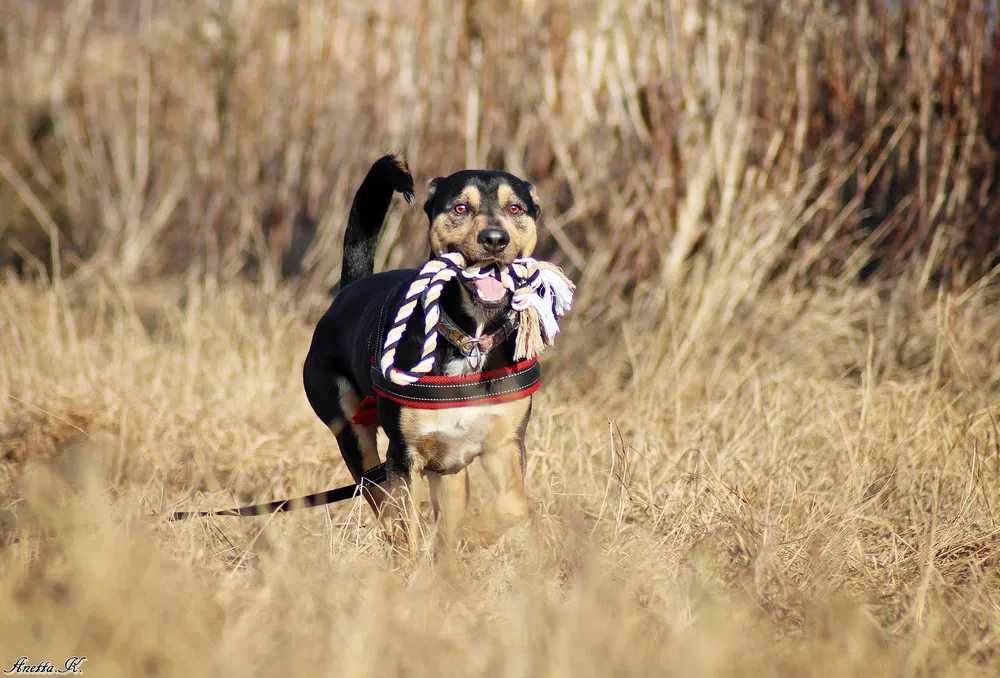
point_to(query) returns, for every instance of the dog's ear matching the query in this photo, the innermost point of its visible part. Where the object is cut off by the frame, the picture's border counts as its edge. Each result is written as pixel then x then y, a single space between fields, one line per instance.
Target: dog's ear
pixel 431 190
pixel 537 203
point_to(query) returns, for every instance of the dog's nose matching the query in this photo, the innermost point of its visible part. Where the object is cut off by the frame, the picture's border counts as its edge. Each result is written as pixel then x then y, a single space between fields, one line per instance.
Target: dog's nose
pixel 493 239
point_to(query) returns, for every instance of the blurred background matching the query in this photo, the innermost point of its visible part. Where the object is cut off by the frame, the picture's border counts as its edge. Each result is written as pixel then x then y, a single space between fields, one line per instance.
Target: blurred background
pixel 769 438
pixel 824 138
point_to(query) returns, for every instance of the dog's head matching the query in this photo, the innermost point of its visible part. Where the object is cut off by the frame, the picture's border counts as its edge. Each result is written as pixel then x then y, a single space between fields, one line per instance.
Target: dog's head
pixel 486 216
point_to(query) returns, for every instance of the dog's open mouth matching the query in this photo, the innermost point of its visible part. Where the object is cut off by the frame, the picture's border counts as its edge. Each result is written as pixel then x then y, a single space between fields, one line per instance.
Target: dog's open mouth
pixel 487 290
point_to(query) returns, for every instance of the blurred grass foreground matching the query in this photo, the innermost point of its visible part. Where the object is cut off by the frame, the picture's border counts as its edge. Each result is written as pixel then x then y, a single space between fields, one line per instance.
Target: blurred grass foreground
pixel 768 444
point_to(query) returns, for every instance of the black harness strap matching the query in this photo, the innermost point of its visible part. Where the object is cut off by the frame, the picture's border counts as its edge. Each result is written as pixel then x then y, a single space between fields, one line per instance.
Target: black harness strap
pixel 440 392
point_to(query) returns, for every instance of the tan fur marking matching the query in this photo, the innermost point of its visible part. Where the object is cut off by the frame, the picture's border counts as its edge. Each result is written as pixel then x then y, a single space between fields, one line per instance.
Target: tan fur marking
pixel 350 401
pixel 429 447
pixel 535 199
pixel 454 232
pixel 337 425
pixel 524 236
pixel 471 195
pixel 522 228
pixel 450 498
pixel 511 506
pixel 450 230
pixel 505 195
pixel 449 440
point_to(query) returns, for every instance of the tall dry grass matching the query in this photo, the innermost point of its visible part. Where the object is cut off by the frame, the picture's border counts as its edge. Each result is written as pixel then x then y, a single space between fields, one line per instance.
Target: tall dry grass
pixel 768 442
pixel 812 490
pixel 227 136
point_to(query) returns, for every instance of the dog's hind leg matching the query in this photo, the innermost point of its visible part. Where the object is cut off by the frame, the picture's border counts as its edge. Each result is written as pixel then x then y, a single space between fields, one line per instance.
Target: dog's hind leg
pixel 358 448
pixel 358 442
pixel 335 402
pixel 361 453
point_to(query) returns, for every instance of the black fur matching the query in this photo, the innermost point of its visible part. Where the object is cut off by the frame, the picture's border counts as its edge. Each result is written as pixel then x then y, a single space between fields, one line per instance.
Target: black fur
pixel 368 210
pixel 443 188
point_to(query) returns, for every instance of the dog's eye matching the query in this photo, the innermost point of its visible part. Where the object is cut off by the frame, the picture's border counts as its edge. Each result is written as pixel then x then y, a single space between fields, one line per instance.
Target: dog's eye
pixel 515 210
pixel 460 209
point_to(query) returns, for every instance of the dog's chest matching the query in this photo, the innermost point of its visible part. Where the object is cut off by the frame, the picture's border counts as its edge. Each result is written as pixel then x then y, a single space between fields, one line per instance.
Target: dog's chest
pixel 448 440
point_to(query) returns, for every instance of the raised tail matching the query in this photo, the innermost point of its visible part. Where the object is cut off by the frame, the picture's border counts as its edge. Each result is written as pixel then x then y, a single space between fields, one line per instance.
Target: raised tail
pixel 371 203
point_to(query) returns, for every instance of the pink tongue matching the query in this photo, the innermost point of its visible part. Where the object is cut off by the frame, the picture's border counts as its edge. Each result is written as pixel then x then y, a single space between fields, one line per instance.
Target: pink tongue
pixel 489 289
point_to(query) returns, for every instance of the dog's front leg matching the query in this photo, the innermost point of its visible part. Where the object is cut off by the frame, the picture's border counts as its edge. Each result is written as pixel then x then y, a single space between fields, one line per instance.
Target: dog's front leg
pixel 449 497
pixel 504 466
pixel 504 461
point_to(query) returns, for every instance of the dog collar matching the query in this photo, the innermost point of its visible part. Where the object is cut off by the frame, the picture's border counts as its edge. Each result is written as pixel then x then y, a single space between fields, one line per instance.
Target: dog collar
pixel 469 345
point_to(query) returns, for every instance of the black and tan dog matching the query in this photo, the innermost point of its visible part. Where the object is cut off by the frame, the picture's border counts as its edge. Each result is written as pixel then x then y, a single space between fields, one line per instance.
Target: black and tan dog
pixel 487 216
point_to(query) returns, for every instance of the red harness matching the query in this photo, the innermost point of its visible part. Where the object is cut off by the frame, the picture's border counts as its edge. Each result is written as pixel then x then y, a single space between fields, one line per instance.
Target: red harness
pixel 437 392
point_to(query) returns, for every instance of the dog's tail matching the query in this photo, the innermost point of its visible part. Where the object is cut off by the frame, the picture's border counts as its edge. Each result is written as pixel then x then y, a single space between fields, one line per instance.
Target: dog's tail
pixel 369 482
pixel 371 203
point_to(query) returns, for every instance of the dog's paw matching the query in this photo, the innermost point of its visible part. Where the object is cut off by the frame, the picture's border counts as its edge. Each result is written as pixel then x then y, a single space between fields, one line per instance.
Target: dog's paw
pixel 395 171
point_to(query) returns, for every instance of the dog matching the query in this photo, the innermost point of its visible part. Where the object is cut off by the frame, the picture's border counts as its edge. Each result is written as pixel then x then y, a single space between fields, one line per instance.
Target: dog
pixel 489 217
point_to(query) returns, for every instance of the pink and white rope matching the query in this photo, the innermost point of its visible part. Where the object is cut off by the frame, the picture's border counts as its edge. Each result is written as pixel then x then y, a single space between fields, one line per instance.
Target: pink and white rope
pixel 534 285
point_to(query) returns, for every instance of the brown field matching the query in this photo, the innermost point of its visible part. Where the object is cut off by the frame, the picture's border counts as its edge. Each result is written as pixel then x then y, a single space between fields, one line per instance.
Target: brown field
pixel 769 439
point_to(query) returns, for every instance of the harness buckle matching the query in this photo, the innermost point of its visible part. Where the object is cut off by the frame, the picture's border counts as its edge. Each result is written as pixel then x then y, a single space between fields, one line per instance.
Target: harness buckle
pixel 474 355
pixel 469 345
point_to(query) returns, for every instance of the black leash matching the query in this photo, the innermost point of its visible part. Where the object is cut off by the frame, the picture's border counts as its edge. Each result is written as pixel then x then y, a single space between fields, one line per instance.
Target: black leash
pixel 371 478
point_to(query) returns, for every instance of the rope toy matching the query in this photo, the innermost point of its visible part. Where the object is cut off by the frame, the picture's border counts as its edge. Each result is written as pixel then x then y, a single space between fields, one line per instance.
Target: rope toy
pixel 541 294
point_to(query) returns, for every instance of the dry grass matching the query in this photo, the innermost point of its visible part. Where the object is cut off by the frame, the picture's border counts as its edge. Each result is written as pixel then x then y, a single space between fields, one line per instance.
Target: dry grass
pixel 769 442
pixel 813 489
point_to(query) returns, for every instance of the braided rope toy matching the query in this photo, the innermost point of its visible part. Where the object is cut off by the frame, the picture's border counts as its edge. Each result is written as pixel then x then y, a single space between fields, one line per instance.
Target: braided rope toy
pixel 541 294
